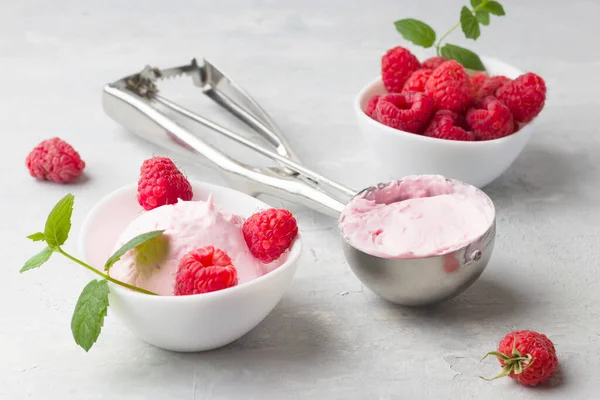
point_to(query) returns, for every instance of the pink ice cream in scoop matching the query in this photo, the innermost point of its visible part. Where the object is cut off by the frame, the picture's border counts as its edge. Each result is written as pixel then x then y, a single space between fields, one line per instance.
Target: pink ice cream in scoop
pixel 419 216
pixel 188 225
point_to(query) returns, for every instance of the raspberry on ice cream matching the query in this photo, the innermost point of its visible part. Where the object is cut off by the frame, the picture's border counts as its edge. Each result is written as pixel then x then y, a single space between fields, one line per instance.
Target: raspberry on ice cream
pixel 204 270
pixel 188 225
pixel 419 216
pixel 161 182
pixel 269 233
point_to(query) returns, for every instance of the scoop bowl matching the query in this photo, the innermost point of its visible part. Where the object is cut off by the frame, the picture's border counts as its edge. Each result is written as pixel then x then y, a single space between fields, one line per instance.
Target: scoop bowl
pixel 422 281
pixel 185 323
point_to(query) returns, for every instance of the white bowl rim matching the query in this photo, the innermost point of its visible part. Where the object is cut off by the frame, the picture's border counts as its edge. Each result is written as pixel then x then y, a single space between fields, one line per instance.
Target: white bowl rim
pixel 398 132
pixel 293 256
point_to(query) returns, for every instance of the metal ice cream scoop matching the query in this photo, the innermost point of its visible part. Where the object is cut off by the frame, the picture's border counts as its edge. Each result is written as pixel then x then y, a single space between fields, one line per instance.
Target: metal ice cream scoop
pixel 135 103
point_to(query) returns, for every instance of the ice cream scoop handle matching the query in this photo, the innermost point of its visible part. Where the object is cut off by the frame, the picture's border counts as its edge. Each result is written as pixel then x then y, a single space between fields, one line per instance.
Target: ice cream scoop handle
pixel 146 121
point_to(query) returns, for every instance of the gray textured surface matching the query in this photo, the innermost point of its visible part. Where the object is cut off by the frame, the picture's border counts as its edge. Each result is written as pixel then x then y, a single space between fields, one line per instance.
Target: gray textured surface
pixel 328 338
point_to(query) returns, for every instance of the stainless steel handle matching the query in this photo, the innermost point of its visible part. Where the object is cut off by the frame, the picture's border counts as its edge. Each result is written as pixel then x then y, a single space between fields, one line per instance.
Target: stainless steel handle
pixel 149 123
pixel 219 87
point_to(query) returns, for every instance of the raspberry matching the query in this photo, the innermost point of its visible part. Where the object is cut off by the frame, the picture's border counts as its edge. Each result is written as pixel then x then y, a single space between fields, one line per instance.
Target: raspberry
pixel 408 111
pixel 478 79
pixel 204 270
pixel 371 105
pixel 270 233
pixel 161 183
pixel 448 125
pixel 416 82
pixel 396 66
pixel 525 96
pixel 433 62
pixel 489 87
pixel 450 87
pixel 55 160
pixel 528 357
pixel 490 119
pixel 517 126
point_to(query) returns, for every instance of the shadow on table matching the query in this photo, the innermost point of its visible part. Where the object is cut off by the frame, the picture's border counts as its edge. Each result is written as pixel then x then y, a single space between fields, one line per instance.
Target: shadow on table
pixel 485 300
pixel 543 173
pixel 284 334
pixel 557 380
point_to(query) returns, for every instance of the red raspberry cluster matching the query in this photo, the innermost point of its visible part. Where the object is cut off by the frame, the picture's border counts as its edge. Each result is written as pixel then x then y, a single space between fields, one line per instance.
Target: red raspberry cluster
pixel 440 99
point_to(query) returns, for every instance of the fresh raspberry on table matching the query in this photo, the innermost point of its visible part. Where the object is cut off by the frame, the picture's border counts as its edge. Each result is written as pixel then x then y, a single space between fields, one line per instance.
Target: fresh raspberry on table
pixel 448 125
pixel 490 86
pixel 397 65
pixel 54 160
pixel 489 119
pixel 416 82
pixel 525 96
pixel 371 105
pixel 204 270
pixel 478 79
pixel 161 183
pixel 450 87
pixel 526 356
pixel 270 233
pixel 433 62
pixel 408 111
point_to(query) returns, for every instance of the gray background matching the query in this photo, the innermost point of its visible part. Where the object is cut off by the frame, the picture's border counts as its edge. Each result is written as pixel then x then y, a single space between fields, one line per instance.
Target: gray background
pixel 328 338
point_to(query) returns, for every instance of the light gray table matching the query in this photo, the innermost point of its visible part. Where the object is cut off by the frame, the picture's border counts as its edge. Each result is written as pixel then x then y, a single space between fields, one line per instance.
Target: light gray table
pixel 328 338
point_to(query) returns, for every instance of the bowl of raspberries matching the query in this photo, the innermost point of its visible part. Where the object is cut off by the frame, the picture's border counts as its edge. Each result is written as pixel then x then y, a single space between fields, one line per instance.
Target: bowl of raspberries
pixel 437 117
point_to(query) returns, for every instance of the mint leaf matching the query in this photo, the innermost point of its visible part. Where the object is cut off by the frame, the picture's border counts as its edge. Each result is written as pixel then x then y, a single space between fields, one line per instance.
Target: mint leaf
pixel 494 8
pixel 133 243
pixel 90 310
pixel 469 24
pixel 416 31
pixel 36 237
pixel 37 260
pixel 58 223
pixel 467 58
pixel 483 17
pixel 475 3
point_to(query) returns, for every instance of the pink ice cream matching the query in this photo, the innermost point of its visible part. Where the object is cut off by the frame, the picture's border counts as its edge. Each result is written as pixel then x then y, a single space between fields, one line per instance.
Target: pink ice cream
pixel 419 216
pixel 188 225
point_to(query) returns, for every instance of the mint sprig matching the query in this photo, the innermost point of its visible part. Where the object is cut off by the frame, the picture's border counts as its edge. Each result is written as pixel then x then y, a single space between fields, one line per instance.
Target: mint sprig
pixel 415 31
pixel 90 310
pixel 133 243
pixel 471 20
pixel 58 223
pixel 92 305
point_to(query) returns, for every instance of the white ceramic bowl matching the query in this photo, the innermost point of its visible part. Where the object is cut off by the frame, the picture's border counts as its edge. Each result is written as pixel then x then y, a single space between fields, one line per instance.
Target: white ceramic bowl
pixel 184 323
pixel 402 153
